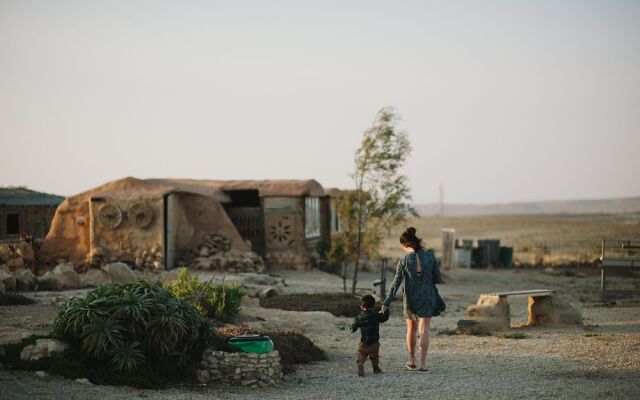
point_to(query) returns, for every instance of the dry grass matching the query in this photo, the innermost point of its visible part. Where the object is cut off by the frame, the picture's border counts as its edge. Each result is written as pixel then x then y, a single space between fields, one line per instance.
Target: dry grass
pixel 535 238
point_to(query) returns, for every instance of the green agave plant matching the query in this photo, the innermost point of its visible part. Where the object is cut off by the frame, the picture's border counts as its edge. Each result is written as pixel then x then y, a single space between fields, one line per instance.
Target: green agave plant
pixel 128 357
pixel 133 325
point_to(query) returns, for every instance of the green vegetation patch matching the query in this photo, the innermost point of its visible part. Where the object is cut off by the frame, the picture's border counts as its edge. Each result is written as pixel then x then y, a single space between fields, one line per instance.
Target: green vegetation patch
pixel 338 304
pixel 221 302
pixel 293 346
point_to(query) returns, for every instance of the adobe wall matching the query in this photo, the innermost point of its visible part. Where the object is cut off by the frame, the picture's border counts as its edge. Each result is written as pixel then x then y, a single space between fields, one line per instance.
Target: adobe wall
pixel 285 242
pixel 133 234
pixel 69 235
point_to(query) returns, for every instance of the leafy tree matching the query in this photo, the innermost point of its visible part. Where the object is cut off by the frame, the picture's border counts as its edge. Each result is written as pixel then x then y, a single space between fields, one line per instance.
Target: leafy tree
pixel 380 199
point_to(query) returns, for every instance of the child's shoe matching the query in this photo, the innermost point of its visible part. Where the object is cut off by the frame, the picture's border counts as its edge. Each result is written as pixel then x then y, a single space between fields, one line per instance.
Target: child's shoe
pixel 377 371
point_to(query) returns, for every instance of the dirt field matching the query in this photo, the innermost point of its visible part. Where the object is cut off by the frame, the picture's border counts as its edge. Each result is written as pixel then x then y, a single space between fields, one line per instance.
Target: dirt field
pixel 550 238
pixel 598 360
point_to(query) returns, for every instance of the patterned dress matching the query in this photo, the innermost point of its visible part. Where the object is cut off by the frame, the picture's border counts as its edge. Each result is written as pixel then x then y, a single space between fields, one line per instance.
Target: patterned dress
pixel 420 293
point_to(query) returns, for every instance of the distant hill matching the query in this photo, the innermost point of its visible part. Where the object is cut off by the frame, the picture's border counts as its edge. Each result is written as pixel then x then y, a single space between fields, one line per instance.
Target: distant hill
pixel 607 206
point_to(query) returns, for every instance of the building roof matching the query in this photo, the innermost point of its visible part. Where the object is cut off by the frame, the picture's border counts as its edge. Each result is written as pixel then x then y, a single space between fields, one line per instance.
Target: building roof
pixel 21 196
pixel 265 188
pixel 131 186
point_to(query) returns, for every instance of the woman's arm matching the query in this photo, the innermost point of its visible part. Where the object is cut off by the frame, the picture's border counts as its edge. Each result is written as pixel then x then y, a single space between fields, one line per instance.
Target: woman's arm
pixel 396 282
pixel 437 277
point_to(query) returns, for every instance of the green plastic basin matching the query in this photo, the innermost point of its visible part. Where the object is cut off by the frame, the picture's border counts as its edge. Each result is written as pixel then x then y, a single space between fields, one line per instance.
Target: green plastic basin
pixel 252 343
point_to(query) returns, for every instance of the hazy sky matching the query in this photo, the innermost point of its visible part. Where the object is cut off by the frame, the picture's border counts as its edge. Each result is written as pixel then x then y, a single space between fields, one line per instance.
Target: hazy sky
pixel 502 100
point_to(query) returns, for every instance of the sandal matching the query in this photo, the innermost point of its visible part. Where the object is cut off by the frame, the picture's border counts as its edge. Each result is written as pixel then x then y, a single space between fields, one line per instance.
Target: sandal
pixel 409 366
pixel 422 369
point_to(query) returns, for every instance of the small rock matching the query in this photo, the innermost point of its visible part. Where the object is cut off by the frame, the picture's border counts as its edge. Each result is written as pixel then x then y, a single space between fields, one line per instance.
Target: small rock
pixel 49 281
pixel 120 273
pixel 67 274
pixel 26 280
pixel 41 374
pixel 202 375
pixel 84 381
pixel 8 279
pixel 271 291
pixel 95 277
pixel 43 348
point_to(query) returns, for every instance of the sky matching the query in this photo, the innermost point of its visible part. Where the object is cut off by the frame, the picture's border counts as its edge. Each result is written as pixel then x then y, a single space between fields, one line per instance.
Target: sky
pixel 502 100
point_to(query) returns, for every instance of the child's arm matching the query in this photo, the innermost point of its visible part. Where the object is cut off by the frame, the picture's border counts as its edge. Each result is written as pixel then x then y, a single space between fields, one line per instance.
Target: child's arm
pixel 383 316
pixel 354 326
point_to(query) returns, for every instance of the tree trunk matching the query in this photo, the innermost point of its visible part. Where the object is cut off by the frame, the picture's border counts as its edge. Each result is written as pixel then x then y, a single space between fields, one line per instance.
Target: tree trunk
pixel 355 277
pixel 344 277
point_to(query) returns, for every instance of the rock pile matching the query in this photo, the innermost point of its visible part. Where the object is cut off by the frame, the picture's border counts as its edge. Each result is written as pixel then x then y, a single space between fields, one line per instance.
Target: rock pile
pixel 150 258
pixel 231 262
pixel 16 255
pixel 246 369
pixel 214 253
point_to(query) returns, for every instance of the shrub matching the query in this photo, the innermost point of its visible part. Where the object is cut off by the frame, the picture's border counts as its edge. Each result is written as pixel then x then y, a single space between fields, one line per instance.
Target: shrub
pixel 293 346
pixel 338 304
pixel 134 328
pixel 221 302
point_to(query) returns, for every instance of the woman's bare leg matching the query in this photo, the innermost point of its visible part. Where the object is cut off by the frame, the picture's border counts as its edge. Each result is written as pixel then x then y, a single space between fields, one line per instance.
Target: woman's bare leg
pixel 423 328
pixel 411 340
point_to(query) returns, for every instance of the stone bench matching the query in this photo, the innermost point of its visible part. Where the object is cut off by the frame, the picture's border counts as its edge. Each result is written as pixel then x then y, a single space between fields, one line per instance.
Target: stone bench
pixel 492 311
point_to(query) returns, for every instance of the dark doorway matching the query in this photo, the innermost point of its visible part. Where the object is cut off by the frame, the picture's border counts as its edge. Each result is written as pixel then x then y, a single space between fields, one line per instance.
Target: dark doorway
pixel 245 211
pixel 13 224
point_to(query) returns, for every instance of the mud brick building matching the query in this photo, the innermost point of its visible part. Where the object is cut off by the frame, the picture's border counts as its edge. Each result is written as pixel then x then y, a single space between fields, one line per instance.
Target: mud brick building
pixel 25 212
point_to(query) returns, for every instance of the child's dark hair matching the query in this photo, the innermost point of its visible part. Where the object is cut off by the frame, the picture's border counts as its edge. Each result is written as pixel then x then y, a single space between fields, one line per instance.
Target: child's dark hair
pixel 409 239
pixel 367 301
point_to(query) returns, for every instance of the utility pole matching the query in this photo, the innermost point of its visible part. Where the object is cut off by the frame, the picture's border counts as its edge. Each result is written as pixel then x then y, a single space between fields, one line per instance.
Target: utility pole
pixel 441 200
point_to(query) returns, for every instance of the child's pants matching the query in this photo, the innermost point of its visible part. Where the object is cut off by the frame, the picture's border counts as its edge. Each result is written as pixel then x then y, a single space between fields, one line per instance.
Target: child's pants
pixel 371 351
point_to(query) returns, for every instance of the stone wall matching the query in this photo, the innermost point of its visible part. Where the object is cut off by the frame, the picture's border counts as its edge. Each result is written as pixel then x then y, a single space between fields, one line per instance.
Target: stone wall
pixel 246 369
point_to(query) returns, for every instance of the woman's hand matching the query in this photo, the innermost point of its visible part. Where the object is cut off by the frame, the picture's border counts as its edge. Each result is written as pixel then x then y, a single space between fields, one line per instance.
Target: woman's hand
pixel 383 308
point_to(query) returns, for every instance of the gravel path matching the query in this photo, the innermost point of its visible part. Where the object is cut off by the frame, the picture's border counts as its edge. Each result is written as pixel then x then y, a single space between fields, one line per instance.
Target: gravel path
pixel 599 360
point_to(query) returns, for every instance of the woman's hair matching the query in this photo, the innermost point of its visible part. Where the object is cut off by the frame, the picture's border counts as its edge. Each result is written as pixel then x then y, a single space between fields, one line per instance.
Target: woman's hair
pixel 409 239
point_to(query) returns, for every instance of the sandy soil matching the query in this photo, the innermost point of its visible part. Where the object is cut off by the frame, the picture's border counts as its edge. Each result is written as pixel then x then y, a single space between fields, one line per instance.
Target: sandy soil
pixel 598 360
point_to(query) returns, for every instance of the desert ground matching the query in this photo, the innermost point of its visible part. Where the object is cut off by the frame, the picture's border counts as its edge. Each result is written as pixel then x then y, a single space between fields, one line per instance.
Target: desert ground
pixel 600 359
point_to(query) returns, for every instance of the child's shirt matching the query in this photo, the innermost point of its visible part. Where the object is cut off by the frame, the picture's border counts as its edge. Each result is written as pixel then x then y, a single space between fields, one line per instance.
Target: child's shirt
pixel 368 322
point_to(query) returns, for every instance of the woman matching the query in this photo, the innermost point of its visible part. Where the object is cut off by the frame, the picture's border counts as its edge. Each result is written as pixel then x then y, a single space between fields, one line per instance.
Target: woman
pixel 420 272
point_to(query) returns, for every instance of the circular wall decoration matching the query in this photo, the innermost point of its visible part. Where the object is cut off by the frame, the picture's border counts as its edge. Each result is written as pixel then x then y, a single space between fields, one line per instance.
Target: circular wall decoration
pixel 141 215
pixel 281 232
pixel 109 216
